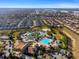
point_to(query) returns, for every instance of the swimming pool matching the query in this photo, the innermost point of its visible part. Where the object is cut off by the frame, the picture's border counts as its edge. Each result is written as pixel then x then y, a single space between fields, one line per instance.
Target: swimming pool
pixel 45 41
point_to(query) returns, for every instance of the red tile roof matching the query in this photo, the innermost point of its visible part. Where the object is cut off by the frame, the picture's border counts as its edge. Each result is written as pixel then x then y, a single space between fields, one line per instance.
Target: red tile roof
pixel 20 45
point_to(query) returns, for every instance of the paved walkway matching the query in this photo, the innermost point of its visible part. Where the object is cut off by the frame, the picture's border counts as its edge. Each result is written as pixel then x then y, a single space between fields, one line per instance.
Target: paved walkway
pixel 75 41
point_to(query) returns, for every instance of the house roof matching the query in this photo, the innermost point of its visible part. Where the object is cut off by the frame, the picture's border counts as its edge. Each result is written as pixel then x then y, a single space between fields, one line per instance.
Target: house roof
pixel 20 45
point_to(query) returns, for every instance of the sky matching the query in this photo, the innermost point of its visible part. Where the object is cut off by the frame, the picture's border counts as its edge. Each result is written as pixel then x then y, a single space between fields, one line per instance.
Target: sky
pixel 39 3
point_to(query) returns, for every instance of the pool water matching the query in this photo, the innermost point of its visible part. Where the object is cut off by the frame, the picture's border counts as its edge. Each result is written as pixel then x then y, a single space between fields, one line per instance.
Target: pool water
pixel 45 41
